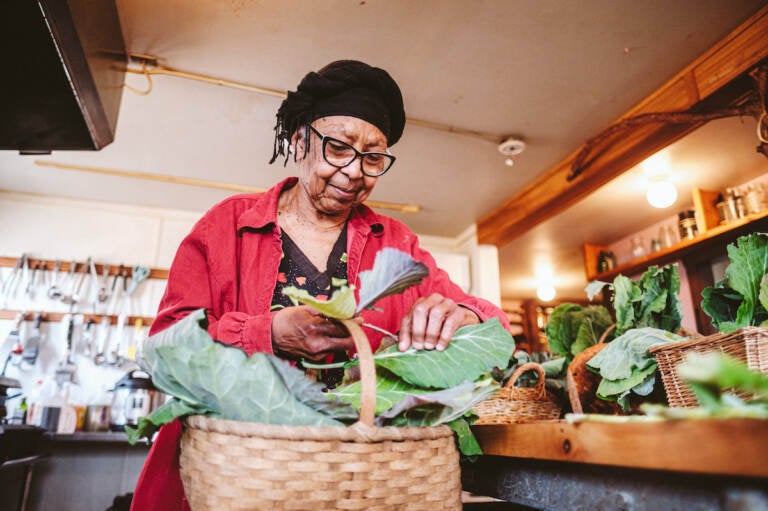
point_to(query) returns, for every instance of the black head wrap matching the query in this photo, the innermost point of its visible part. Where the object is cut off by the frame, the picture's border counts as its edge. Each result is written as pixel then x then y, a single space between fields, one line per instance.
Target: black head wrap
pixel 344 87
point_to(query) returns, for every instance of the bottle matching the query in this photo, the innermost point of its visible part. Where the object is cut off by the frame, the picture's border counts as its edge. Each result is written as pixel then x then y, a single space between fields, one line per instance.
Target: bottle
pixel 35 404
pixel 638 250
pixel 602 262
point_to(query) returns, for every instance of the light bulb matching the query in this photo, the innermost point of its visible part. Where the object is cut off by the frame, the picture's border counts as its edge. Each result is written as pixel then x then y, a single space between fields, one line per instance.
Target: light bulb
pixel 661 193
pixel 509 162
pixel 545 292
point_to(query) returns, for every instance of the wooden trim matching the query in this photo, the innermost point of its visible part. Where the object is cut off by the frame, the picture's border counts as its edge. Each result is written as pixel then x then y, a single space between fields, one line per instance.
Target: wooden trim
pixel 551 194
pixel 736 447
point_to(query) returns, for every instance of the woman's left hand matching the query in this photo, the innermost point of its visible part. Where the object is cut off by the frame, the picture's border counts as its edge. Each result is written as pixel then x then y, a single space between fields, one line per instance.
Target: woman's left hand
pixel 431 322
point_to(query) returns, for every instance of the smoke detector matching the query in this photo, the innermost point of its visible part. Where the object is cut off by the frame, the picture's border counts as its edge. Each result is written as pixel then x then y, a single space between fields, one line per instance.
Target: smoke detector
pixel 510 147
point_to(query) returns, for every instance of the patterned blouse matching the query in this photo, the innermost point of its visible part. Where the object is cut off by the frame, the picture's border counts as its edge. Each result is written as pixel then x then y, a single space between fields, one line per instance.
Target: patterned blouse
pixel 298 271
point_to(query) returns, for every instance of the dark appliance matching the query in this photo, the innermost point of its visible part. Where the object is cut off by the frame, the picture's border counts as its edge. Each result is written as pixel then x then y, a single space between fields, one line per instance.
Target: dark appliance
pixel 64 67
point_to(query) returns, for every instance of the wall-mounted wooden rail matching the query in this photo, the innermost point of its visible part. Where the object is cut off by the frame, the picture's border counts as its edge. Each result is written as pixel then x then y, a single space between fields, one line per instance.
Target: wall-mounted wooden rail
pixel 48 265
pixel 54 317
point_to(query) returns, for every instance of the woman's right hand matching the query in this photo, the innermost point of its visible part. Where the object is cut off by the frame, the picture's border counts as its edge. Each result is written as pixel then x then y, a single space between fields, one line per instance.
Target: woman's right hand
pixel 303 332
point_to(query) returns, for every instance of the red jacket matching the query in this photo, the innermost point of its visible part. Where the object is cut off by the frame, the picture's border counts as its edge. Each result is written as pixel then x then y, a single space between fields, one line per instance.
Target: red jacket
pixel 228 264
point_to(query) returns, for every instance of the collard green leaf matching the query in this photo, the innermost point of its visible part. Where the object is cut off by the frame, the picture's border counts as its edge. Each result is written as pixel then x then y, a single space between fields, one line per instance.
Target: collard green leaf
pixel 559 330
pixel 206 375
pixel 474 350
pixel 429 408
pixel 468 445
pixel 572 328
pixel 172 409
pixel 393 271
pixel 594 287
pixel 721 304
pixel 630 351
pixel 611 389
pixel 748 265
pixel 341 305
pixel 624 297
pixel 651 301
pixel 763 296
pixel 736 301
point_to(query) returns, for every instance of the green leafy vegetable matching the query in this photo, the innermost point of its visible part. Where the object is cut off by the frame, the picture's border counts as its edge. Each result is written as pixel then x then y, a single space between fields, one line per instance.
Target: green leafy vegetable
pixel 467 442
pixel 652 301
pixel 573 328
pixel 741 298
pixel 223 381
pixel 474 350
pixel 340 306
pixel 393 271
pixel 626 366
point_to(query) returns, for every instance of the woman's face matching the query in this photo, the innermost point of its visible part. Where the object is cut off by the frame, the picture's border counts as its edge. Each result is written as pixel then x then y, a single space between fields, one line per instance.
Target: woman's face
pixel 335 191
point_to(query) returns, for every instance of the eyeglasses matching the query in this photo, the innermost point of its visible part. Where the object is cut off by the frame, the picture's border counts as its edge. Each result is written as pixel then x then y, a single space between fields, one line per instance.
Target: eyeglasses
pixel 340 154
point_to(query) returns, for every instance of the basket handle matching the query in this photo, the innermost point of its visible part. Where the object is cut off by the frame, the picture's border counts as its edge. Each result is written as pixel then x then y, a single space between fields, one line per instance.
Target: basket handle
pixel 605 333
pixel 367 371
pixel 528 366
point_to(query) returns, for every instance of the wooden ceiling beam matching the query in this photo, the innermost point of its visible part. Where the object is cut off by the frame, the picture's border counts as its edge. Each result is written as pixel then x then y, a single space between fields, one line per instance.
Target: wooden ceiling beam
pixel 699 83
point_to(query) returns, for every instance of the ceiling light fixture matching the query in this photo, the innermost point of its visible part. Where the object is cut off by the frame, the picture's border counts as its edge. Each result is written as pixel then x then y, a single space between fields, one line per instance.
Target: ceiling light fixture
pixel 546 292
pixel 661 192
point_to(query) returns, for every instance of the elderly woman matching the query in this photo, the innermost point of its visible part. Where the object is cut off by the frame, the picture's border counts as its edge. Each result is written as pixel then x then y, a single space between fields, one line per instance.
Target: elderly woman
pixel 312 232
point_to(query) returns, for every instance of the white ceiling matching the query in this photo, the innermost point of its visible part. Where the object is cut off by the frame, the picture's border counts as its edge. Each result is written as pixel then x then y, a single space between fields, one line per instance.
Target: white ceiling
pixel 551 71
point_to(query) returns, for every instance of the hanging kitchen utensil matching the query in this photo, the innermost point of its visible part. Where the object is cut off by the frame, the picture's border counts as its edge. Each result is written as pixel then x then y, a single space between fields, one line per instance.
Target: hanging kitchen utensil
pixel 70 280
pixel 32 344
pixel 12 284
pixel 93 294
pixel 85 346
pixel 138 275
pixel 15 340
pixel 117 352
pixel 54 292
pixel 74 296
pixel 115 290
pixel 104 289
pixel 65 371
pixel 30 289
pixel 101 340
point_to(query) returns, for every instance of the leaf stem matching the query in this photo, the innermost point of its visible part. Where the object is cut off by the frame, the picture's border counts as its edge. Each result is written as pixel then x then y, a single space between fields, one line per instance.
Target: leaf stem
pixel 381 330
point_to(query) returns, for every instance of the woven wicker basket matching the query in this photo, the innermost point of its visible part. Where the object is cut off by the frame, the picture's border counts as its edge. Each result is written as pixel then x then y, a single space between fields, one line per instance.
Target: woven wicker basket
pixel 748 344
pixel 518 404
pixel 247 466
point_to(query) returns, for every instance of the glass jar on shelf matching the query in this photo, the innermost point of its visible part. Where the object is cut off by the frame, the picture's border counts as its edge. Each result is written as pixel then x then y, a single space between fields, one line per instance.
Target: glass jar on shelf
pixel 687 222
pixel 755 199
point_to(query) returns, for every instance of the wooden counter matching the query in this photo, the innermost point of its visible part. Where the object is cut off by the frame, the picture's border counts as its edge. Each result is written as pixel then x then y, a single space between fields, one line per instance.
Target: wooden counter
pixel 706 465
pixel 737 447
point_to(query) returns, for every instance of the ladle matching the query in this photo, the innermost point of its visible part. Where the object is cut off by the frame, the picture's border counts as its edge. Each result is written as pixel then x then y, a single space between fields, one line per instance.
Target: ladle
pixel 54 292
pixel 74 296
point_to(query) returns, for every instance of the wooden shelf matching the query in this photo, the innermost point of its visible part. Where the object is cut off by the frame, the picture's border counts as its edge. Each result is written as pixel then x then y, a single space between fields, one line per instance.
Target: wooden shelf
pixel 721 234
pixel 734 447
pixel 47 265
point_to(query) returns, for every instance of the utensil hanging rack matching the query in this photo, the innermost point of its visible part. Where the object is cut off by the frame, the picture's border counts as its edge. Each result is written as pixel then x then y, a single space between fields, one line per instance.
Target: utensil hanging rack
pixel 47 265
pixel 54 317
